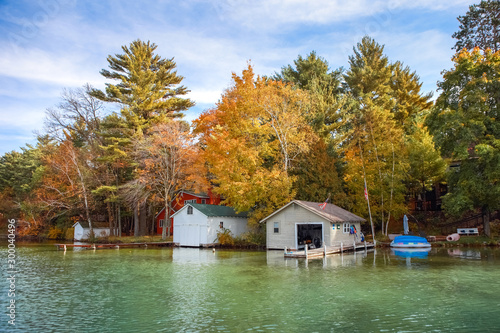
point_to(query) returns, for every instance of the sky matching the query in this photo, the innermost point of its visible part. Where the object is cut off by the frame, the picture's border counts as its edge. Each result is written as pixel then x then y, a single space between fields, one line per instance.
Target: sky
pixel 51 45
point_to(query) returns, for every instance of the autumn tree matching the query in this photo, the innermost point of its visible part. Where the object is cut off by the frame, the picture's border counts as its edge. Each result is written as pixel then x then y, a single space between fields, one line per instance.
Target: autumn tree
pixel 479 27
pixel 66 183
pixel 465 126
pixel 169 153
pixel 251 141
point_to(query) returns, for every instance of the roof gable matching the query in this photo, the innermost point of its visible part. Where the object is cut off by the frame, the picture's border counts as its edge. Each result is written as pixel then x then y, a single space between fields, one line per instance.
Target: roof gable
pixel 332 213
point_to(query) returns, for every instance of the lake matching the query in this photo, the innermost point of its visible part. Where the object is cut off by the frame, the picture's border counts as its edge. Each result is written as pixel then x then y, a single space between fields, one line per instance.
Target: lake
pixel 195 290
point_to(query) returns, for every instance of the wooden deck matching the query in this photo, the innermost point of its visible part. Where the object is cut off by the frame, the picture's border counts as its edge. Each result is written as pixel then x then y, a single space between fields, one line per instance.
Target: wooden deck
pixel 114 246
pixel 326 250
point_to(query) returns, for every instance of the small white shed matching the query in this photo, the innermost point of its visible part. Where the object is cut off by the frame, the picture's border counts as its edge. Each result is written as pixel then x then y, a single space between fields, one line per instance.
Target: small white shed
pixel 82 230
pixel 197 224
pixel 302 222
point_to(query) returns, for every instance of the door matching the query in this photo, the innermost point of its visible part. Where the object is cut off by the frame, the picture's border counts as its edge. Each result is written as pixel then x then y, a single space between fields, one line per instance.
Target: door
pixel 310 234
pixel 187 235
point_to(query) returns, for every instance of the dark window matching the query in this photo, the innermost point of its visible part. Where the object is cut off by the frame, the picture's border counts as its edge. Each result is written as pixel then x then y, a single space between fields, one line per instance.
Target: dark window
pixel 161 223
pixel 221 225
pixel 190 210
pixel 276 227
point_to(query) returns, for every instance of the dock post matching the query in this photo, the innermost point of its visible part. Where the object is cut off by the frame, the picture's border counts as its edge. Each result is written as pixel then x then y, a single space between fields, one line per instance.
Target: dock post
pixel 305 250
pixel 64 247
pixel 354 245
pixel 285 249
pixel 93 247
pixel 324 249
pixel 341 247
pixel 365 247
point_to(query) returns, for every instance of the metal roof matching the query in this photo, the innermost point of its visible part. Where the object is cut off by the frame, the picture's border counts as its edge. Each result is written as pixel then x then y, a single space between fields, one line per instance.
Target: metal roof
pixel 215 210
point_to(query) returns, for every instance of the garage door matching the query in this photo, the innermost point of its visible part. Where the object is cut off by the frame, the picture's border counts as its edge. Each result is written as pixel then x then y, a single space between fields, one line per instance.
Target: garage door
pixel 188 235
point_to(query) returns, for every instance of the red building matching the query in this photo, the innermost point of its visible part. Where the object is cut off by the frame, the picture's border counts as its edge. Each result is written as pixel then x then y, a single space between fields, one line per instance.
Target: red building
pixel 179 201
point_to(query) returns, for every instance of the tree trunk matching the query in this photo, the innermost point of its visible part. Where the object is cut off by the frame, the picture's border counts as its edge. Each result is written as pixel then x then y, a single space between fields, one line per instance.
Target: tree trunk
pixel 119 222
pixel 136 220
pixel 486 221
pixel 111 219
pixel 143 221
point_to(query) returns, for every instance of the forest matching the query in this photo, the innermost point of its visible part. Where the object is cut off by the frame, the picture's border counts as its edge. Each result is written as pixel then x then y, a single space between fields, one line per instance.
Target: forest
pixel 366 138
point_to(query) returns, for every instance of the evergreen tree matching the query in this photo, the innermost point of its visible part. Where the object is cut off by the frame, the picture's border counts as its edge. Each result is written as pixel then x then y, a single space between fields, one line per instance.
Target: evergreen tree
pixel 148 86
pixel 479 27
pixel 150 93
pixel 410 103
pixel 465 126
pixel 371 138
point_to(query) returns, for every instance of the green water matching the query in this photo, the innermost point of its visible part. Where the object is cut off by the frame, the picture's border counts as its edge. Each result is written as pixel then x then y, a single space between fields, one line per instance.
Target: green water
pixel 195 290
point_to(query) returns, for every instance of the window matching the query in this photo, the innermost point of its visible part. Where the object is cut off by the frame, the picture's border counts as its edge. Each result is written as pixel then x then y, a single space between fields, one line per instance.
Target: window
pixel 276 227
pixel 347 228
pixel 161 223
pixel 190 201
pixel 203 201
pixel 221 225
pixel 190 210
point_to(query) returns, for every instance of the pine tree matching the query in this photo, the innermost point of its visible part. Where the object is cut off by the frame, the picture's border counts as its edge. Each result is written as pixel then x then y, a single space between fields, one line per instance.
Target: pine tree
pixel 148 86
pixel 479 27
pixel 149 90
pixel 371 130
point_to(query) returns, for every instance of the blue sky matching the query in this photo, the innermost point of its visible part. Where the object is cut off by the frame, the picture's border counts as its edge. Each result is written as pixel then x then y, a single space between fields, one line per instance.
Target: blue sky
pixel 49 45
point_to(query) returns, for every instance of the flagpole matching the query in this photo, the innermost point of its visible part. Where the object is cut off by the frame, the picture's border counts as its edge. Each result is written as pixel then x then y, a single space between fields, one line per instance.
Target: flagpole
pixel 366 192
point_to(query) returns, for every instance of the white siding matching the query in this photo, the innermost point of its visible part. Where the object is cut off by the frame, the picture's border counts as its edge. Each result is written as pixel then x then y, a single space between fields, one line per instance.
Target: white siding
pixel 293 214
pixel 81 233
pixel 236 225
pixel 197 229
pixel 190 229
pixel 337 235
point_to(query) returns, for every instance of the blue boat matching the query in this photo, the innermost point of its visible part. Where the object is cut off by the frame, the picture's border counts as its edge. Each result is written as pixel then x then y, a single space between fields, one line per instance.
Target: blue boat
pixel 407 241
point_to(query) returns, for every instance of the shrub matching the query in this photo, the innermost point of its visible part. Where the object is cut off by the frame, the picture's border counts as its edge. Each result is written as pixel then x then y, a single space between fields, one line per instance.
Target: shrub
pixel 225 237
pixel 55 233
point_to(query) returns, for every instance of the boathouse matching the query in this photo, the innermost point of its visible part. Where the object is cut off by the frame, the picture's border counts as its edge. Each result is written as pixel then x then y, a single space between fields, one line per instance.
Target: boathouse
pixel 197 224
pixel 178 202
pixel 314 224
pixel 82 230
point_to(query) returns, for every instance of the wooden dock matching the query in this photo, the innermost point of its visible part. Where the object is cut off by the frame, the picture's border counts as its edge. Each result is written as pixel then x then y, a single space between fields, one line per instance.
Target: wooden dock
pixel 326 250
pixel 114 246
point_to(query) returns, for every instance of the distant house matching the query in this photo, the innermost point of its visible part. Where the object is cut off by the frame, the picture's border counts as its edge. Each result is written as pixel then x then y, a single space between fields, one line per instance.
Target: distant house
pixel 82 230
pixel 301 223
pixel 198 224
pixel 180 200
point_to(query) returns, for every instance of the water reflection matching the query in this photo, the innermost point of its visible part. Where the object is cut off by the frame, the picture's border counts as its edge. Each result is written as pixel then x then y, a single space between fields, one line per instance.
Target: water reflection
pixel 276 258
pixel 465 254
pixel 420 253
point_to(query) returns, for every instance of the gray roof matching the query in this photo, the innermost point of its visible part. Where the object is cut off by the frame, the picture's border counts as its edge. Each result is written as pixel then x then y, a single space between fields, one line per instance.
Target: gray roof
pixel 331 212
pixel 216 210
